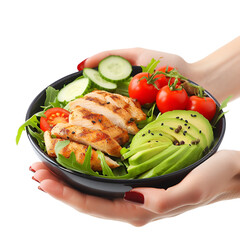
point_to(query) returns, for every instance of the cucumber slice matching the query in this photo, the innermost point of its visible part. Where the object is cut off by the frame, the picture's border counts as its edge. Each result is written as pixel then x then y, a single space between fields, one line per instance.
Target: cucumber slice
pixel 97 80
pixel 115 68
pixel 74 89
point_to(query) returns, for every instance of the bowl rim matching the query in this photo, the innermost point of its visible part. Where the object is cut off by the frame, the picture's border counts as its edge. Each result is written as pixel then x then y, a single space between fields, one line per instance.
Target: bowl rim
pixel 108 179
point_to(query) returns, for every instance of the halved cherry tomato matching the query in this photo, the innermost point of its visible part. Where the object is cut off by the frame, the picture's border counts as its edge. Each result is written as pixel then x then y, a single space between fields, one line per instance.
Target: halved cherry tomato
pixel 162 80
pixel 53 116
pixel 142 91
pixel 204 105
pixel 168 100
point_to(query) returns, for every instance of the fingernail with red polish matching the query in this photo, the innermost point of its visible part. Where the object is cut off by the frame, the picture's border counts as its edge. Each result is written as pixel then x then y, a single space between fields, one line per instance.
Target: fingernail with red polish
pixel 32 170
pixel 33 178
pixel 133 196
pixel 80 66
pixel 40 188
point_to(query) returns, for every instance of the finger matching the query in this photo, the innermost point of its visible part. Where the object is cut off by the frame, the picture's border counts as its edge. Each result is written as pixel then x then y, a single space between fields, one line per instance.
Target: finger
pixel 203 185
pixel 37 165
pixel 161 201
pixel 97 206
pixel 43 174
pixel 130 54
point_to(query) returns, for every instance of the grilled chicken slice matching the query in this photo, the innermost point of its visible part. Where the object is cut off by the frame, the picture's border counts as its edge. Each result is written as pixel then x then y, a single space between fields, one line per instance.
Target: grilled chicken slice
pixel 117 115
pixel 132 106
pixel 83 117
pixel 79 151
pixel 96 138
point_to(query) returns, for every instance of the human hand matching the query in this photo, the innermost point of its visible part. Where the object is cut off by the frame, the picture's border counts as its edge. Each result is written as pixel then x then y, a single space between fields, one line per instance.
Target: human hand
pixel 211 72
pixel 140 56
pixel 214 180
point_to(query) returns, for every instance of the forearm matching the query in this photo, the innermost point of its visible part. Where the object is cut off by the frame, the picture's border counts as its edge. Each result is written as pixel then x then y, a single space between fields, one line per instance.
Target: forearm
pixel 219 72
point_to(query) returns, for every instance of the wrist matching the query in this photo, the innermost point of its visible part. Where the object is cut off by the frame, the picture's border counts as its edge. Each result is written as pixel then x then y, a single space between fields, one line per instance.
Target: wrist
pixel 219 72
pixel 234 187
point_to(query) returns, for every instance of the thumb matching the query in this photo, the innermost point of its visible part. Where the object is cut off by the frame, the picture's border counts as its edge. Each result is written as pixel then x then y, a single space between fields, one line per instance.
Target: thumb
pixel 130 54
pixel 162 201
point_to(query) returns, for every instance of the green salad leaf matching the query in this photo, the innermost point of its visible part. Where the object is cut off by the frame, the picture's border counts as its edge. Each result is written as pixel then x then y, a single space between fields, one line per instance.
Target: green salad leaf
pixel 106 170
pixel 51 95
pixel 52 100
pixel 34 123
pixel 150 117
pixel 122 87
pixel 85 167
pixel 219 115
pixel 151 66
pixel 71 163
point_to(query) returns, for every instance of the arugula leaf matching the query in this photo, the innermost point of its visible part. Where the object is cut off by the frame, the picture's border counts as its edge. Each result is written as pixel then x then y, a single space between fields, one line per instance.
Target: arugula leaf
pixel 106 170
pixel 218 116
pixel 51 95
pixel 151 66
pixel 33 122
pixel 122 87
pixel 224 103
pixel 87 160
pixel 51 100
pixel 39 137
pixel 150 117
pixel 60 145
pixel 71 163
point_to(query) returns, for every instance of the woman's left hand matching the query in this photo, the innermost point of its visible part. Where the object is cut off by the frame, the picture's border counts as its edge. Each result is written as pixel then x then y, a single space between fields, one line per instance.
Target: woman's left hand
pixel 216 179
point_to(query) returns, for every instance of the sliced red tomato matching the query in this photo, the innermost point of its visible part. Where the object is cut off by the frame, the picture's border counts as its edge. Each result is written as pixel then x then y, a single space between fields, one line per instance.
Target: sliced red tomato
pixel 204 105
pixel 168 100
pixel 53 116
pixel 162 80
pixel 142 91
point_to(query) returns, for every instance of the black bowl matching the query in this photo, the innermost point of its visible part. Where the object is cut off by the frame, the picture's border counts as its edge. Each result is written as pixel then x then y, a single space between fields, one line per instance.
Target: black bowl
pixel 105 187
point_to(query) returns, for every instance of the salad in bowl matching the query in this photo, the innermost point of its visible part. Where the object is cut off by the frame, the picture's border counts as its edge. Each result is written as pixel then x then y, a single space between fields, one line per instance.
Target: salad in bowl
pixel 118 126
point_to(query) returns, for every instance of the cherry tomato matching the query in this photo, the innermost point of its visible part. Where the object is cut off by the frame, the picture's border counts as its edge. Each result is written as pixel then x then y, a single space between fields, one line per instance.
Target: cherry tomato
pixel 142 91
pixel 168 100
pixel 162 80
pixel 53 116
pixel 204 105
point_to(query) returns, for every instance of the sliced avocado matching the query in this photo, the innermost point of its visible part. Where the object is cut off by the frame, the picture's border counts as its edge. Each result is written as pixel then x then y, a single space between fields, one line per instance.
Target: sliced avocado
pixel 148 145
pixel 194 118
pixel 134 170
pixel 192 155
pixel 179 153
pixel 146 154
pixel 182 127
pixel 147 136
pixel 180 138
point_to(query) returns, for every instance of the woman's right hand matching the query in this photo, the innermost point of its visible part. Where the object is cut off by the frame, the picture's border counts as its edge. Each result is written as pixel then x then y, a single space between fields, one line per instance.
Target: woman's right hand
pixel 140 56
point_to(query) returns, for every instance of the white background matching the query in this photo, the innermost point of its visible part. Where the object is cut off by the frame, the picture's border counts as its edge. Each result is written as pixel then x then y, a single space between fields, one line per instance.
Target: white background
pixel 42 41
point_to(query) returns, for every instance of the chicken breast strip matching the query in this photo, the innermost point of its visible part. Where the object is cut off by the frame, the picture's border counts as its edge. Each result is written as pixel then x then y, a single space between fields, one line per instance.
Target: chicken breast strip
pixel 132 106
pixel 96 138
pixel 83 117
pixel 118 116
pixel 79 151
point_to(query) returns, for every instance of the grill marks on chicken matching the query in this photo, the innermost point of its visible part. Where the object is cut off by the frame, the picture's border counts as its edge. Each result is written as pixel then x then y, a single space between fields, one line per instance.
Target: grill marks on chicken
pixel 83 117
pixel 112 106
pixel 100 119
pixel 79 151
pixel 96 138
pixel 132 107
